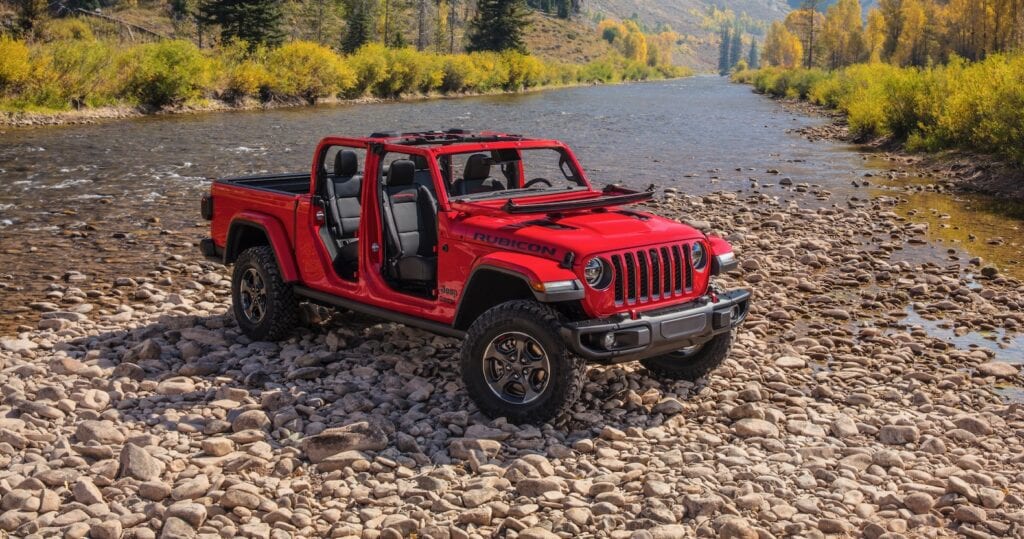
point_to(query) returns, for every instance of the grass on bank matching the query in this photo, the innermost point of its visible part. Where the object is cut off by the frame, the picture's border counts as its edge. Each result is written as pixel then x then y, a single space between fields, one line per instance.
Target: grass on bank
pixel 975 106
pixel 75 70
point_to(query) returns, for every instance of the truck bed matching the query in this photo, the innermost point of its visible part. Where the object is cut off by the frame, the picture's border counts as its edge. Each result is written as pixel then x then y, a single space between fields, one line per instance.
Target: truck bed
pixel 292 184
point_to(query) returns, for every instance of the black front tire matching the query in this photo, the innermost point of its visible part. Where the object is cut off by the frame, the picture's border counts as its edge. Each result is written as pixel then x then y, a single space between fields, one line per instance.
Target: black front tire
pixel 691 365
pixel 264 305
pixel 537 326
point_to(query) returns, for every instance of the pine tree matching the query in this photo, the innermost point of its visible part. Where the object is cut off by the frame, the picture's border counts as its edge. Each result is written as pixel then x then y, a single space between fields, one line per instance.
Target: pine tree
pixel 359 26
pixel 257 22
pixel 735 48
pixel 723 52
pixel 563 9
pixel 754 56
pixel 498 26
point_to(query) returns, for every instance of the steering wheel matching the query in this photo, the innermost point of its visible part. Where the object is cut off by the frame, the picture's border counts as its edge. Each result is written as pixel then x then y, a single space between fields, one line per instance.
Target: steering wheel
pixel 535 181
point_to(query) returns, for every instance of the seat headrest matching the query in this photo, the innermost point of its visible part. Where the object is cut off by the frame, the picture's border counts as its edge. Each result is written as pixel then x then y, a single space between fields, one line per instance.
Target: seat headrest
pixel 401 173
pixel 346 163
pixel 419 161
pixel 478 167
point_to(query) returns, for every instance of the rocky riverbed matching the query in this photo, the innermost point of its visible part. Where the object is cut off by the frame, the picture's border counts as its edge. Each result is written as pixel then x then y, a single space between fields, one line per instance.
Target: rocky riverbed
pixel 139 410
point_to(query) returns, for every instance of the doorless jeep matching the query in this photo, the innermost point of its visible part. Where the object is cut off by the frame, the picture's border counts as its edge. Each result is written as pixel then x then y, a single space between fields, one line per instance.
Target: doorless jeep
pixel 495 238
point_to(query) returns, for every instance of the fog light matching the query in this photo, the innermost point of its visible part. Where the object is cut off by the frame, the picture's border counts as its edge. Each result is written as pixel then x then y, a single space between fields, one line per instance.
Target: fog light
pixel 608 340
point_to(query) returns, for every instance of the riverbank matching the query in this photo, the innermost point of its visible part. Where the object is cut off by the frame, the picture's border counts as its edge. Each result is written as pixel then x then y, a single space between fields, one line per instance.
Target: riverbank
pixel 953 170
pixel 78 80
pixel 138 408
pixel 963 117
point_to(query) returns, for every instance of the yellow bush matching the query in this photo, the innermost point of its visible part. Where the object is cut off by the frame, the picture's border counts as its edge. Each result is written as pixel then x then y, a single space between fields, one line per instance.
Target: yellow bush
pixel 67 29
pixel 166 72
pixel 14 63
pixel 246 78
pixel 243 70
pixel 370 64
pixel 524 71
pixel 308 70
pixel 964 105
pixel 460 74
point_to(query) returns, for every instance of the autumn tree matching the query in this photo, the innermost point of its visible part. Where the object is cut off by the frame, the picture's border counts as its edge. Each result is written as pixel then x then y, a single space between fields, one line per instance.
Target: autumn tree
pixel 806 23
pixel 842 35
pixel 634 45
pixel 781 47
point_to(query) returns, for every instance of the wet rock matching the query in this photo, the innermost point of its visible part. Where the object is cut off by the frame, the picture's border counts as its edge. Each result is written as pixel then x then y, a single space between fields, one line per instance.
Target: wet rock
pixel 998 369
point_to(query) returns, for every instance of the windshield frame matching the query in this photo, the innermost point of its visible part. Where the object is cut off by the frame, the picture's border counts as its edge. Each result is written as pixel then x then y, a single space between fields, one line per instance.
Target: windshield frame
pixel 464 149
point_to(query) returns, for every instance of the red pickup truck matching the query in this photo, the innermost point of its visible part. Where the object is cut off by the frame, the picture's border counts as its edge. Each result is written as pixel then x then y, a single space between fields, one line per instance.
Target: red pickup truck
pixel 495 238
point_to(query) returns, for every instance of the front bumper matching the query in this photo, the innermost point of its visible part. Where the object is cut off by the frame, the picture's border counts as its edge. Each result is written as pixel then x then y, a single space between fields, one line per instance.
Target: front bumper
pixel 657 332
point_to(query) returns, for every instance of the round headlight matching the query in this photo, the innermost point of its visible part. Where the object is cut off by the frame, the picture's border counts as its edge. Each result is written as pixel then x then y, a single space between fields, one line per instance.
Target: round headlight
pixel 699 256
pixel 596 273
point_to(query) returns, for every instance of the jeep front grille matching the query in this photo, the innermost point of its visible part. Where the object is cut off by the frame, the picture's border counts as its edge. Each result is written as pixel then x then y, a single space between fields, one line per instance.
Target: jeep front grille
pixel 652 274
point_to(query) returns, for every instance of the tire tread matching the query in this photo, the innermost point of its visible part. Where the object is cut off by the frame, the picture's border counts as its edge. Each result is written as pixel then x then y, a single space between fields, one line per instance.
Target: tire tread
pixel 575 366
pixel 282 305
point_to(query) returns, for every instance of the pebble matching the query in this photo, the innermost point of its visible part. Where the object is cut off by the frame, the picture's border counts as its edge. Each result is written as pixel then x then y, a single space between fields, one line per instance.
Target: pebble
pixel 151 415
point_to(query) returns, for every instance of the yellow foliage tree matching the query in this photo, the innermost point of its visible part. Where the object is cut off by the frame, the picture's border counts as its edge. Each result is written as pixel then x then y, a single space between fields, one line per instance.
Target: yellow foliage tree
pixel 842 34
pixel 634 46
pixel 781 47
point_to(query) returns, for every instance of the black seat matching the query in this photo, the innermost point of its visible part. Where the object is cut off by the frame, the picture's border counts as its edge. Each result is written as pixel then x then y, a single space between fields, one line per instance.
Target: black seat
pixel 423 176
pixel 346 184
pixel 410 215
pixel 476 178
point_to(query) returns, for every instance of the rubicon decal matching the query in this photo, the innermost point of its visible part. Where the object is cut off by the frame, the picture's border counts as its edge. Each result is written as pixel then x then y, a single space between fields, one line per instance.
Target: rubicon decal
pixel 521 245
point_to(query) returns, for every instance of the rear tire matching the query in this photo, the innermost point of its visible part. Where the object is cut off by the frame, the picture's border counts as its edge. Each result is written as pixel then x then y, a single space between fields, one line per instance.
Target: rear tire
pixel 515 364
pixel 264 305
pixel 693 364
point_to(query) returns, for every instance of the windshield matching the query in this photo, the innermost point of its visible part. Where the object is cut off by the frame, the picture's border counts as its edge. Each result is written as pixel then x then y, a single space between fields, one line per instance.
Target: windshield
pixel 508 173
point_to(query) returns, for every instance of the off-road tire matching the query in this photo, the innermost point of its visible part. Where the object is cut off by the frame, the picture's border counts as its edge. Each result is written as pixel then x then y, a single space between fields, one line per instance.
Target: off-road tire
pixel 282 309
pixel 703 361
pixel 541 323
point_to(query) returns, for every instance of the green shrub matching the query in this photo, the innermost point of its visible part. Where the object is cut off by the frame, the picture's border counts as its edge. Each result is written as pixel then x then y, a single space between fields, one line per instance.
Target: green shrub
pixel 74 73
pixel 308 70
pixel 164 73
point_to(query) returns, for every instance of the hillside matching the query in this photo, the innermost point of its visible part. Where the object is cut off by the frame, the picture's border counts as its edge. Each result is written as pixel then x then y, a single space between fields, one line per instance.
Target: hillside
pixel 691 18
pixel 549 37
pixel 564 40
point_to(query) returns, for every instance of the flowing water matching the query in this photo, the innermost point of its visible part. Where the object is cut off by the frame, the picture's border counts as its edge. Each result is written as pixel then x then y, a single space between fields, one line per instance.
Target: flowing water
pixel 113 199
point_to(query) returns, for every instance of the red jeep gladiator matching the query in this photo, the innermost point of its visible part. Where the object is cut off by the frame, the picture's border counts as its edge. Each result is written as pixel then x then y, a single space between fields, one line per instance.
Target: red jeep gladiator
pixel 495 238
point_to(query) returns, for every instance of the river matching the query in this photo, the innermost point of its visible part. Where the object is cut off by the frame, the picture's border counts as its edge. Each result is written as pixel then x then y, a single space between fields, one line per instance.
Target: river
pixel 116 199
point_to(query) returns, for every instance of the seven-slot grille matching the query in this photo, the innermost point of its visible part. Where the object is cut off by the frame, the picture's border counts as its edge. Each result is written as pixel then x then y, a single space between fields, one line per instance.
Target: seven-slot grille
pixel 652 274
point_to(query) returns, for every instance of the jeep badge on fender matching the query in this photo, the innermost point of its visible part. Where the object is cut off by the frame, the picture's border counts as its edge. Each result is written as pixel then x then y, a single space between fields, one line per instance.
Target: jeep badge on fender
pixel 538 271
